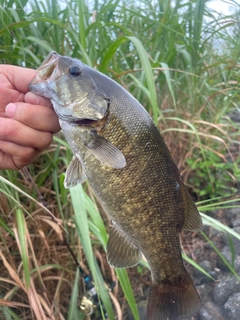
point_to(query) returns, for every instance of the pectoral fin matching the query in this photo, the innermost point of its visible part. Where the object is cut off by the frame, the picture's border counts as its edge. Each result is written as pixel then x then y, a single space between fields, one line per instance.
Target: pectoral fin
pixel 105 151
pixel 74 174
pixel 192 218
pixel 121 252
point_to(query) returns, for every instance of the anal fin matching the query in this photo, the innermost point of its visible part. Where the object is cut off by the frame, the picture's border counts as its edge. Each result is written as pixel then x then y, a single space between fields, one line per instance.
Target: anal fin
pixel 121 252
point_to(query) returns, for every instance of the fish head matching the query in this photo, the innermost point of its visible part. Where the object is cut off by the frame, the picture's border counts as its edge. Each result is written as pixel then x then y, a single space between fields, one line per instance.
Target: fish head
pixel 67 82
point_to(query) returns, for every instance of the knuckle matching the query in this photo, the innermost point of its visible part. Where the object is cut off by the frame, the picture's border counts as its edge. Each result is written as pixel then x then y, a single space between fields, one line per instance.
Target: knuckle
pixel 25 113
pixel 45 141
pixel 27 156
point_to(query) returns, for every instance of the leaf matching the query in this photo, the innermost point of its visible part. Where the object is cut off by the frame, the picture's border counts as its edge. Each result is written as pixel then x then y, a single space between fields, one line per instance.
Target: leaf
pixel 194 264
pixel 128 292
pixel 165 70
pixel 110 53
pixel 81 220
pixel 21 226
pixel 149 75
pixel 42 43
pixel 73 308
pixel 12 272
pixel 221 255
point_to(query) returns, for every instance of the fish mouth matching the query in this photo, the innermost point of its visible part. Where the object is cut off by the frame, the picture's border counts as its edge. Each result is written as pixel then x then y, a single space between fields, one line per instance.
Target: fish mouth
pixel 48 70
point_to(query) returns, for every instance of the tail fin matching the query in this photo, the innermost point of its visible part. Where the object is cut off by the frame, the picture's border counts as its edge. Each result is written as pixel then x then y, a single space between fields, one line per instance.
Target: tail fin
pixel 173 302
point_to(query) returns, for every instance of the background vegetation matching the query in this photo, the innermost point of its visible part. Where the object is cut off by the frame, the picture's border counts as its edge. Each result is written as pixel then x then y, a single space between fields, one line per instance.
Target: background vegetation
pixel 180 59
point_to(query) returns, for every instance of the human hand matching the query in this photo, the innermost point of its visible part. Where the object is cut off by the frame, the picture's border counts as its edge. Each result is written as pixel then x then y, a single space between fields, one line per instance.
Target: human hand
pixel 27 121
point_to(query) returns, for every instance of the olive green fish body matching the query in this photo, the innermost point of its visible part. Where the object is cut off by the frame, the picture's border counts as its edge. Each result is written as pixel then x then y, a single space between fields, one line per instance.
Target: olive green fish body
pixel 127 163
pixel 145 195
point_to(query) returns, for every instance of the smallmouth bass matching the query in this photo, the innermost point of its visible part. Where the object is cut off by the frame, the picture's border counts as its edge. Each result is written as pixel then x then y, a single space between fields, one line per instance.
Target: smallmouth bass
pixel 118 148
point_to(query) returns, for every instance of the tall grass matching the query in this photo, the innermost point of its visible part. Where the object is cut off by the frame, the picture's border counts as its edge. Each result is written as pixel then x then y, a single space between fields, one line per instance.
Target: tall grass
pixel 181 61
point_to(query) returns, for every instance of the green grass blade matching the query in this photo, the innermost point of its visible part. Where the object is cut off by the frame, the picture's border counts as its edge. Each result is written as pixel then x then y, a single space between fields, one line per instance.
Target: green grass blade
pixel 78 200
pixel 99 230
pixel 127 289
pixel 81 220
pixel 168 79
pixel 56 183
pixel 197 31
pixel 149 75
pixel 195 265
pixel 42 43
pixel 231 245
pixel 209 221
pixel 110 53
pixel 5 226
pixel 73 308
pixel 23 243
pixel 82 24
pixel 54 10
pixel 140 85
pixel 9 314
pixel 221 256
pixel 97 220
pixel 103 292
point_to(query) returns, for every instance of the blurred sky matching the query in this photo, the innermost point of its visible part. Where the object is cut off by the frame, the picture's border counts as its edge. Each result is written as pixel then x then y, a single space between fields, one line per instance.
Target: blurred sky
pixel 223 6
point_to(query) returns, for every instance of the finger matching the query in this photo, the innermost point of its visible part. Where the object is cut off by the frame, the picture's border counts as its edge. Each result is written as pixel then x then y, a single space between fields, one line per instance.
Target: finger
pixel 18 133
pixel 13 156
pixel 19 77
pixel 6 161
pixel 35 99
pixel 37 117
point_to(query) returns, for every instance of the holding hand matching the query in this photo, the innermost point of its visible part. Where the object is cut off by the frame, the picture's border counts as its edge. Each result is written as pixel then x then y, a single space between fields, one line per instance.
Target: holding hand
pixel 27 121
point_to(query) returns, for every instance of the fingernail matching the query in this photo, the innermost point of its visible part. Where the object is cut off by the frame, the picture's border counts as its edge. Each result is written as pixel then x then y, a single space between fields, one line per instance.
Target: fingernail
pixel 10 110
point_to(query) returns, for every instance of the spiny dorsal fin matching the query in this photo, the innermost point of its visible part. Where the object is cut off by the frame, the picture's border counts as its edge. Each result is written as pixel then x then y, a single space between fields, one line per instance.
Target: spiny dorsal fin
pixel 121 252
pixel 192 218
pixel 105 151
pixel 74 174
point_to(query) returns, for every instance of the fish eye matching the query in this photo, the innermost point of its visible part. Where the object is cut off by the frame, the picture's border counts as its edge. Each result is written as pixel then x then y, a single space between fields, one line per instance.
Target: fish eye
pixel 75 70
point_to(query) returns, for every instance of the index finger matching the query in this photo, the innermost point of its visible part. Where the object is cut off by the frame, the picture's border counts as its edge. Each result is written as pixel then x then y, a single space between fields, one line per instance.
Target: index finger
pixel 32 98
pixel 19 77
pixel 37 117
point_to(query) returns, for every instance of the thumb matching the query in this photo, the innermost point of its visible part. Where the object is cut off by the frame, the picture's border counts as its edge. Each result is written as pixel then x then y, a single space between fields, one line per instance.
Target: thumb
pixel 35 99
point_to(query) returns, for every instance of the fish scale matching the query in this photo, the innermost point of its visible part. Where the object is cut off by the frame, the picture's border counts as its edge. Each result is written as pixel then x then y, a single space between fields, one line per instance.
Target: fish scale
pixel 118 148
